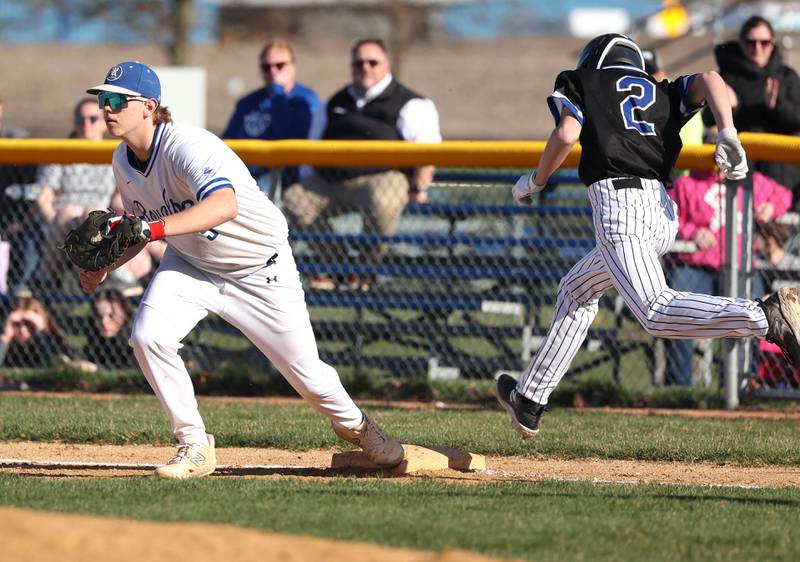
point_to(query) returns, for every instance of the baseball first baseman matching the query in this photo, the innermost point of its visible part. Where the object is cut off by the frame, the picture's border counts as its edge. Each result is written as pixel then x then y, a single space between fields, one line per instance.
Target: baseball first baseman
pixel 227 253
pixel 628 126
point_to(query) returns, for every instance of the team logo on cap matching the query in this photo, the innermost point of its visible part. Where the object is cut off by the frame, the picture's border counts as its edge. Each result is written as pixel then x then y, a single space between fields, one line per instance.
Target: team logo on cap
pixel 114 74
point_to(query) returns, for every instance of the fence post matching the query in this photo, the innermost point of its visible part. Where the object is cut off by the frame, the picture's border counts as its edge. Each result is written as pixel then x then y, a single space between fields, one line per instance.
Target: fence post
pixel 746 275
pixel 738 280
pixel 732 346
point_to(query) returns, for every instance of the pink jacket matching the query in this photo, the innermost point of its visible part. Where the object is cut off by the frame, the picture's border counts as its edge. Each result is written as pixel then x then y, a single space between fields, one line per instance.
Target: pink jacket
pixel 701 203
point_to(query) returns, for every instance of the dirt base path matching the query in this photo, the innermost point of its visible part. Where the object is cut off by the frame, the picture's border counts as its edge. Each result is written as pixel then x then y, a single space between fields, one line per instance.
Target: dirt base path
pixel 70 460
pixel 52 537
pixel 46 537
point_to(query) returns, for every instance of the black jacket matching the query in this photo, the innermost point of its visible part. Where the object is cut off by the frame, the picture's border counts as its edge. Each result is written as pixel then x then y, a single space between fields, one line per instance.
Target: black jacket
pixel 752 114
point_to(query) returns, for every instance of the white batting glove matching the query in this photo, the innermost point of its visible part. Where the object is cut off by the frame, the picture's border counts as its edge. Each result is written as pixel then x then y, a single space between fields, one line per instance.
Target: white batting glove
pixel 525 188
pixel 730 156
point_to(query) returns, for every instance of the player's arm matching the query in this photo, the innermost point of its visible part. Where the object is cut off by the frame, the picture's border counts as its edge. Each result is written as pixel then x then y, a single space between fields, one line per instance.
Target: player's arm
pixel 219 207
pixel 559 144
pixel 563 137
pixel 711 88
pixel 729 155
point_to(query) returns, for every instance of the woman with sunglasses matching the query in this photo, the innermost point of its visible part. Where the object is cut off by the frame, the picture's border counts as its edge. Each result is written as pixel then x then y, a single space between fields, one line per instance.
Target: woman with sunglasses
pixel 70 191
pixel 227 253
pixel 765 93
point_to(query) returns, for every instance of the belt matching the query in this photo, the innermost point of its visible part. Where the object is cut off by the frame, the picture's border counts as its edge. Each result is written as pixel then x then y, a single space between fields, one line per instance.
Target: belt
pixel 627 183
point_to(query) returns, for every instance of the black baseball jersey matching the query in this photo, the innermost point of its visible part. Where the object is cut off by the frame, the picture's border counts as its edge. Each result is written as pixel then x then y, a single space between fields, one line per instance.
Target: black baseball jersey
pixel 631 123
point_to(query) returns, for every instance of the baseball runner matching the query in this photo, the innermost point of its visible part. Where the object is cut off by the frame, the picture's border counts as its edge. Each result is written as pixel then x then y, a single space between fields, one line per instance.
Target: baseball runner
pixel 227 254
pixel 628 126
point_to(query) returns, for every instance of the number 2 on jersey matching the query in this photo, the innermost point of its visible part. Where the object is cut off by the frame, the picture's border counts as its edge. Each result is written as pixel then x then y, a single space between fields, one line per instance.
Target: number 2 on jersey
pixel 642 96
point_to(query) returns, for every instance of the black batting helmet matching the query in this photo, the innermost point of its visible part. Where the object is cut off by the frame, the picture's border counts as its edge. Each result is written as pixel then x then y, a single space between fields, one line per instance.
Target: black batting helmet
pixel 611 49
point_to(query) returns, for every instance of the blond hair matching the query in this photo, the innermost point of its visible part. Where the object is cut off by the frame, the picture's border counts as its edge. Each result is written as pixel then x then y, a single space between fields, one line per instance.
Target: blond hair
pixel 276 44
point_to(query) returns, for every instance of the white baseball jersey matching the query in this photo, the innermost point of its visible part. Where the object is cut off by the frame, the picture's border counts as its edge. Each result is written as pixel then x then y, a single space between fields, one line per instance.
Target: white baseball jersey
pixel 186 165
pixel 228 271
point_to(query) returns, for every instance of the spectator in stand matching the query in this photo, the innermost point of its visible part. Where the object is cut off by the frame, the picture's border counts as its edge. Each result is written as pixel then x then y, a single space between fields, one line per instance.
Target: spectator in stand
pixel 764 92
pixel 22 229
pixel 374 106
pixel 69 191
pixel 282 109
pixel 30 337
pixel 700 197
pixel 107 337
pixel 775 264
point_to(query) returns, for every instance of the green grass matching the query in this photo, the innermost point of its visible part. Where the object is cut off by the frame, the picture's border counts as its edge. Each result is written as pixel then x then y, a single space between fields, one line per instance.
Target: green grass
pixel 566 433
pixel 547 521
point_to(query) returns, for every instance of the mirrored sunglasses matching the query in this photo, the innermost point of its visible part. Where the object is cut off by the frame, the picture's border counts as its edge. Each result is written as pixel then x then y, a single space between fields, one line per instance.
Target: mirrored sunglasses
pixel 116 100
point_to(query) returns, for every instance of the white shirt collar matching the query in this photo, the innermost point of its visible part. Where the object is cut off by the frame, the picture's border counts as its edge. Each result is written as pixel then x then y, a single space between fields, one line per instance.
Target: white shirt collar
pixel 372 93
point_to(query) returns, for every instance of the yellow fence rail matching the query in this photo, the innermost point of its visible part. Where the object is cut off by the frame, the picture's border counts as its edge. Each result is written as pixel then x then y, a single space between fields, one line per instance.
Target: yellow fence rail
pixel 467 154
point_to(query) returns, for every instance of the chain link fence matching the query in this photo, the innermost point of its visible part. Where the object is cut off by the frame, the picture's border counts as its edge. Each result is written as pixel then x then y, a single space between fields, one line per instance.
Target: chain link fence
pixel 458 281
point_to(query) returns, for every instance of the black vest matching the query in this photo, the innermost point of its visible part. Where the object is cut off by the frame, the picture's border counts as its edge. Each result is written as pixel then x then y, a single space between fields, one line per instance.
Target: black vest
pixel 377 120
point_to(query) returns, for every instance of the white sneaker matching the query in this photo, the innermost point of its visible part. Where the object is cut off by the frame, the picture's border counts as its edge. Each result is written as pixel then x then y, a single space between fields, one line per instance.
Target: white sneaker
pixel 191 461
pixel 380 447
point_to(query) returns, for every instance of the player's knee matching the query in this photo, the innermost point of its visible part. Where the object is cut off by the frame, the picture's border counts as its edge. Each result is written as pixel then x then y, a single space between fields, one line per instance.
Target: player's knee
pixel 147 340
pixel 313 378
pixel 650 327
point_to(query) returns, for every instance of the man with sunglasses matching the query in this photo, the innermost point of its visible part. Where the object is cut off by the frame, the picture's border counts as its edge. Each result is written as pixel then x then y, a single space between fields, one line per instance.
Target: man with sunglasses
pixel 282 109
pixel 227 253
pixel 374 106
pixel 765 93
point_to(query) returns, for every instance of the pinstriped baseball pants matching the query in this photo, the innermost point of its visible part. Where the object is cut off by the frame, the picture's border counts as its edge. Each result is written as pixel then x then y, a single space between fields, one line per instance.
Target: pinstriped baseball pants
pixel 633 227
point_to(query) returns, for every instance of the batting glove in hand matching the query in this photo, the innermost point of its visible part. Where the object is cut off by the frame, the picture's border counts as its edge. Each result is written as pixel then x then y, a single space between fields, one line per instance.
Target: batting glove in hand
pixel 525 188
pixel 730 155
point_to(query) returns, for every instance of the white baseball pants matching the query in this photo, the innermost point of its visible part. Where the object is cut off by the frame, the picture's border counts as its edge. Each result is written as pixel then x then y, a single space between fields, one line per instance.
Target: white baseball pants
pixel 633 227
pixel 267 306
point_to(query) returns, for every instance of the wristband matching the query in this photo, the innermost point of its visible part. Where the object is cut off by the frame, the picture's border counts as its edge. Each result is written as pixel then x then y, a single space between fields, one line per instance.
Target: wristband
pixel 156 230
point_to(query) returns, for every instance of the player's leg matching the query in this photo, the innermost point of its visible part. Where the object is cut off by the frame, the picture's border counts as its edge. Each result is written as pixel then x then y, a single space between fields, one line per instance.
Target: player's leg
pixel 680 352
pixel 635 227
pixel 269 308
pixel 576 307
pixel 177 298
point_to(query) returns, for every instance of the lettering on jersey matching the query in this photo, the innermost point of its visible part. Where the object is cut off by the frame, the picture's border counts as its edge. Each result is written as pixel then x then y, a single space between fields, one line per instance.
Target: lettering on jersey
pixel 643 95
pixel 170 207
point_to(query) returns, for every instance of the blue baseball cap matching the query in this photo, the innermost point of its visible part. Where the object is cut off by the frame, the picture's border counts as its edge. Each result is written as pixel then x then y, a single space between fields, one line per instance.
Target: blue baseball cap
pixel 131 78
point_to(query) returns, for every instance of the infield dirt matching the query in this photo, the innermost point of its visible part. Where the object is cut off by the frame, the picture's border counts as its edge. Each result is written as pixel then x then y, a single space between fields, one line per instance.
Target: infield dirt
pixel 44 537
pixel 278 463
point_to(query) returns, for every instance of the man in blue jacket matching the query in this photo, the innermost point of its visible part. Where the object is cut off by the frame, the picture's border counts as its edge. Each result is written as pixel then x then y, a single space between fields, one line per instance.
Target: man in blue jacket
pixel 282 109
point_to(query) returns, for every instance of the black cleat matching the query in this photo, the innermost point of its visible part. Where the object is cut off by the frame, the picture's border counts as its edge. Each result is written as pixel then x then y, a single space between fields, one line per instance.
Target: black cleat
pixel 525 413
pixel 782 309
